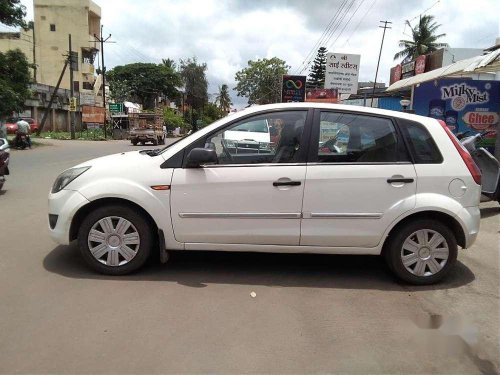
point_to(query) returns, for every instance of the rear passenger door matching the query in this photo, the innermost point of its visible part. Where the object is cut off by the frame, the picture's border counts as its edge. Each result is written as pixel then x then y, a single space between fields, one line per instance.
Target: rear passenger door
pixel 359 180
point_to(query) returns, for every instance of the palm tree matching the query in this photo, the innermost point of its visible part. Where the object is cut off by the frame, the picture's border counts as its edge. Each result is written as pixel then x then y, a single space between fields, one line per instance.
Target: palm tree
pixel 424 39
pixel 223 99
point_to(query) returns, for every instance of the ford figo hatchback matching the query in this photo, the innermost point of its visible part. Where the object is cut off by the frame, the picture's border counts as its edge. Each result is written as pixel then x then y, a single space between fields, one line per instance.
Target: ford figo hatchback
pixel 334 180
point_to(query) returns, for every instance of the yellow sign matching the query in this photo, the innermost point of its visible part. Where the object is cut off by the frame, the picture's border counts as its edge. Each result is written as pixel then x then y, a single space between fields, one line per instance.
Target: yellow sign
pixel 72 104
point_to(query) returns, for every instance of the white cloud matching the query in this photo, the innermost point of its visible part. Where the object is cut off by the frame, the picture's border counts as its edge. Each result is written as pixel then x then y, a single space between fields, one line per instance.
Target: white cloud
pixel 226 34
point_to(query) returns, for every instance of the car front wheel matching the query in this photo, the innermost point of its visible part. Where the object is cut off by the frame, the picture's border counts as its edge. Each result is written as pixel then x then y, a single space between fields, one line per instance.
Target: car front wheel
pixel 115 240
pixel 422 252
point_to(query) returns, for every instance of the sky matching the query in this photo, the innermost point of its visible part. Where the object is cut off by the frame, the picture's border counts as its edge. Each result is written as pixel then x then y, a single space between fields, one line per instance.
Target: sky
pixel 227 33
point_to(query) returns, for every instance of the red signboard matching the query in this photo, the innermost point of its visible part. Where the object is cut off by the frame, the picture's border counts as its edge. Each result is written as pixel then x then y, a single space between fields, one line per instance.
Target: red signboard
pixel 93 114
pixel 420 64
pixel 322 95
pixel 396 73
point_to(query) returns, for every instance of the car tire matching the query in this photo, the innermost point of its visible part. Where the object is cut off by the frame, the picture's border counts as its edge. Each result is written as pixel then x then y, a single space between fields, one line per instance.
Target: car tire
pixel 421 252
pixel 134 142
pixel 110 257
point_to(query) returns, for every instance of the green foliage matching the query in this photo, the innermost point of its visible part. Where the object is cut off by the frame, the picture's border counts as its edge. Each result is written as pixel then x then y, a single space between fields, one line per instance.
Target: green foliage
pixel 424 39
pixel 144 82
pixel 316 77
pixel 120 92
pixel 12 13
pixel 173 120
pixel 211 113
pixel 84 135
pixel 195 82
pixel 223 99
pixel 260 82
pixel 14 80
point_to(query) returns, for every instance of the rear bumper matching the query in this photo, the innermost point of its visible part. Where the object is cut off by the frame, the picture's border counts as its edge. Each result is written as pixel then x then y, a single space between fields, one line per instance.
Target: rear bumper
pixel 470 217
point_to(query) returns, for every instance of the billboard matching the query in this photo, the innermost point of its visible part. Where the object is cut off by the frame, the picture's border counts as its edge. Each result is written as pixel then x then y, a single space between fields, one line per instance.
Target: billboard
pixel 464 104
pixel 93 114
pixel 342 72
pixel 293 89
pixel 322 95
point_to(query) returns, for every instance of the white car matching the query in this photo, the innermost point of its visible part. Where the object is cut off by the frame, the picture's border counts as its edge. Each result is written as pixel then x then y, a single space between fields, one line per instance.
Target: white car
pixel 399 185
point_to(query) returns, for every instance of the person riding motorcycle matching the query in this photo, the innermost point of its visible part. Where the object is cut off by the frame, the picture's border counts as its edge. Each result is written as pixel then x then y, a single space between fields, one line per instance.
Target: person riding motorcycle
pixel 23 128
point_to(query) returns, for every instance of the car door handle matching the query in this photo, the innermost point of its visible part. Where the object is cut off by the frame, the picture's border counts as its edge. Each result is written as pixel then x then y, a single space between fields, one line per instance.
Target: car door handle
pixel 403 180
pixel 287 183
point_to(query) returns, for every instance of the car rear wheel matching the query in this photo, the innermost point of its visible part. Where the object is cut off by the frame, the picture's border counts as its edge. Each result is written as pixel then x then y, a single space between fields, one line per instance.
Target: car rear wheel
pixel 115 240
pixel 422 252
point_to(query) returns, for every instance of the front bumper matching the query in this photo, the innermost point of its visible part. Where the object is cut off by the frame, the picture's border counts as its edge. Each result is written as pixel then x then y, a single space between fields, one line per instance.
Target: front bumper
pixel 64 204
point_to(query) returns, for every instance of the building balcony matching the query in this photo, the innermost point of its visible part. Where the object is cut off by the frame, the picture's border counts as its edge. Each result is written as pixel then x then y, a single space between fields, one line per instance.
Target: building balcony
pixel 88 68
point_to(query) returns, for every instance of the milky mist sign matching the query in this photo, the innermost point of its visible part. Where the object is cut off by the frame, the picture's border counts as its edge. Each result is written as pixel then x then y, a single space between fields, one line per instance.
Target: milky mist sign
pixel 342 72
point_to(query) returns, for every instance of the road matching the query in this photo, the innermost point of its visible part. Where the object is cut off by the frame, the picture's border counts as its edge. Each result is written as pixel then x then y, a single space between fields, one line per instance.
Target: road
pixel 311 313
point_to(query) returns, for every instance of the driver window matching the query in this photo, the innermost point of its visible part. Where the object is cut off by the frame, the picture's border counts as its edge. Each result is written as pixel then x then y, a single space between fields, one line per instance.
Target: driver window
pixel 270 138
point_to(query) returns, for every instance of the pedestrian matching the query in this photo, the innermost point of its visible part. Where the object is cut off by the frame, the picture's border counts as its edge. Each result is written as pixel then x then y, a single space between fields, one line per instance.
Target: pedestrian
pixel 23 128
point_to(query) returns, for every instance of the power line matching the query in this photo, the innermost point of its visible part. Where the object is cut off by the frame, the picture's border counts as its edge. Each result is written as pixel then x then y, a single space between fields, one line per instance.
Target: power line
pixel 318 42
pixel 348 21
pixel 359 23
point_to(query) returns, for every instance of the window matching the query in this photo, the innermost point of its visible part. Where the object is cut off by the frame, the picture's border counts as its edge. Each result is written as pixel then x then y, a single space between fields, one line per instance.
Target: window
pixel 270 138
pixel 421 144
pixel 52 27
pixel 352 138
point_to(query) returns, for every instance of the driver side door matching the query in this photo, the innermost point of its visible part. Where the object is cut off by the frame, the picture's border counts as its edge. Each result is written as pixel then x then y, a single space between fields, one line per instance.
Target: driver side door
pixel 254 194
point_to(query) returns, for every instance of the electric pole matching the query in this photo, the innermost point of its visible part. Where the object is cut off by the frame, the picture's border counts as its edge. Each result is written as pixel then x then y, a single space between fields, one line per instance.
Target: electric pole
pixel 72 89
pixel 102 41
pixel 379 54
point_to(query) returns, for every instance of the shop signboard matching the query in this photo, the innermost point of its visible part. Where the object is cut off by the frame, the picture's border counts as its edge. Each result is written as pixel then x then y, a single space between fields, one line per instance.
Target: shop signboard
pixel 87 98
pixel 464 104
pixel 342 72
pixel 322 95
pixel 293 89
pixel 93 114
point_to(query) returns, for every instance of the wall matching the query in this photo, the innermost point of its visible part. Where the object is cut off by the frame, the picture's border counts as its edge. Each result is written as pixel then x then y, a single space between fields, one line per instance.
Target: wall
pixel 22 40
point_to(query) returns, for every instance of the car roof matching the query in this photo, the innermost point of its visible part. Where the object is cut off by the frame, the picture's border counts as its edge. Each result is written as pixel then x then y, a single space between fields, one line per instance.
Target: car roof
pixel 331 106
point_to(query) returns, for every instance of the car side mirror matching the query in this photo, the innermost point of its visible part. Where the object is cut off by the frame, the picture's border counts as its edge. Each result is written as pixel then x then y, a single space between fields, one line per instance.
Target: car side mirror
pixel 198 157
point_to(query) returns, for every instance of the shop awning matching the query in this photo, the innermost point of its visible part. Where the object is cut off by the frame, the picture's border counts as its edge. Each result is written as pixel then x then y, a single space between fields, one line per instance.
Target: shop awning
pixel 488 63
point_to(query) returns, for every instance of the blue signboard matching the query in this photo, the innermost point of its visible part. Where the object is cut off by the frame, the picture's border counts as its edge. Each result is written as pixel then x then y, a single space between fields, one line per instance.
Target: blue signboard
pixel 464 104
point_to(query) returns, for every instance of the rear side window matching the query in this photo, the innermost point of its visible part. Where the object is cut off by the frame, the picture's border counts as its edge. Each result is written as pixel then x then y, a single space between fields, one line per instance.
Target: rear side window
pixel 421 144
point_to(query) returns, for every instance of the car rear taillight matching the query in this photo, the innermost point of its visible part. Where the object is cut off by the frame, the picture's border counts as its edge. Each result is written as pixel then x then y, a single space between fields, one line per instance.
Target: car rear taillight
pixel 466 157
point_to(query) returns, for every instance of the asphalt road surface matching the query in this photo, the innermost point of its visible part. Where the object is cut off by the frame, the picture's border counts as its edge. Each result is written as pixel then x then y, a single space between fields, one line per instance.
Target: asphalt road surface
pixel 311 313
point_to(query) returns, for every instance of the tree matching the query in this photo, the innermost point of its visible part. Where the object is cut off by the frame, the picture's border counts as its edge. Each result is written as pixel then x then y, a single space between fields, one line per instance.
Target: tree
pixel 260 82
pixel 14 80
pixel 424 39
pixel 12 13
pixel 172 120
pixel 223 99
pixel 212 113
pixel 121 91
pixel 144 82
pixel 196 85
pixel 316 77
pixel 169 63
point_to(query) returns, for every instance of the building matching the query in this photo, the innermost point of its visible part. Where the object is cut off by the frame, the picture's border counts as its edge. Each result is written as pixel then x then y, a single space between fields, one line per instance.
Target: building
pixel 23 40
pixel 54 20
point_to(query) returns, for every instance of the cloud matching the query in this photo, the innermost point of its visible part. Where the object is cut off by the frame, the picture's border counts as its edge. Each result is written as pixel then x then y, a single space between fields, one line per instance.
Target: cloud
pixel 226 34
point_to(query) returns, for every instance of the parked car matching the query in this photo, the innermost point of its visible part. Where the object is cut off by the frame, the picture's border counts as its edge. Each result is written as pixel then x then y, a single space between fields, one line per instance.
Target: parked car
pixel 400 186
pixel 11 124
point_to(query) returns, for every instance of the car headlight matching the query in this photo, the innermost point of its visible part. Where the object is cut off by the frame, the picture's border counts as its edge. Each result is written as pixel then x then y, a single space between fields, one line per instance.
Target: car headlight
pixel 66 177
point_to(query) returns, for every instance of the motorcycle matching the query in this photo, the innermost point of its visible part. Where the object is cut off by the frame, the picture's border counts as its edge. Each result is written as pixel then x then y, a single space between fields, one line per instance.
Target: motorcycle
pixel 4 160
pixel 487 163
pixel 21 141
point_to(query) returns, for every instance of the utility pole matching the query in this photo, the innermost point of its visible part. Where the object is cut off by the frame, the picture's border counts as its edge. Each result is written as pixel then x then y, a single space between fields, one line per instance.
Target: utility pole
pixel 72 89
pixel 102 41
pixel 379 54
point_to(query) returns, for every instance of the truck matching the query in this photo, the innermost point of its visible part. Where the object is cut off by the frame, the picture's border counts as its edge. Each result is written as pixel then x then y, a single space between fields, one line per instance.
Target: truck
pixel 146 127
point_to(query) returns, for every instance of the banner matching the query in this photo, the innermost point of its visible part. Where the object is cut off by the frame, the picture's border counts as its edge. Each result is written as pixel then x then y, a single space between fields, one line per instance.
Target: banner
pixel 93 114
pixel 322 95
pixel 342 72
pixel 293 89
pixel 464 104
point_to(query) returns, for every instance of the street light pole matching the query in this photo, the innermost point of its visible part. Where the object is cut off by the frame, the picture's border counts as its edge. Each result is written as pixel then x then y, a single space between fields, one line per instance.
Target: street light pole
pixel 72 89
pixel 379 54
pixel 102 41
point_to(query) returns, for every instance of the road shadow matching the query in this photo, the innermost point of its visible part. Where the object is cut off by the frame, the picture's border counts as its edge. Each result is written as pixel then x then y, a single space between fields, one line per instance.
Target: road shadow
pixel 200 268
pixel 3 192
pixel 489 212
